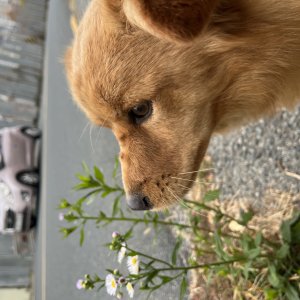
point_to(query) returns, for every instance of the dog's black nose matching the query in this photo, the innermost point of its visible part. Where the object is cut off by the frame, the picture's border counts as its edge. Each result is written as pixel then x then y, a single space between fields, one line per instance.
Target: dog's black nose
pixel 139 202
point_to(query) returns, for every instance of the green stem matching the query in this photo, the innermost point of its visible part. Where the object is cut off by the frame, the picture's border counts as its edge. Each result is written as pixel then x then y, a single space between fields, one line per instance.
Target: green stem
pixel 201 266
pixel 137 220
pixel 150 257
pixel 207 207
pixel 185 269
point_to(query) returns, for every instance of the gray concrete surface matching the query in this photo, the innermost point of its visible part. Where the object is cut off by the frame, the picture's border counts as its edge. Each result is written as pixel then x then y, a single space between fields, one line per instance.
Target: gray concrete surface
pixel 259 157
pixel 67 141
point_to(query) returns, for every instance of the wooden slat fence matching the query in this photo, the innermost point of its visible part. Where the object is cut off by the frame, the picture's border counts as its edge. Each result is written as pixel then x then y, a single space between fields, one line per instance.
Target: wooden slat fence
pixel 22 30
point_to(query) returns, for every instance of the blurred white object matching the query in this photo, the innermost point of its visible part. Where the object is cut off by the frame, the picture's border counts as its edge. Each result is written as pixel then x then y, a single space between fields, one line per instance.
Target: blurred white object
pixel 19 178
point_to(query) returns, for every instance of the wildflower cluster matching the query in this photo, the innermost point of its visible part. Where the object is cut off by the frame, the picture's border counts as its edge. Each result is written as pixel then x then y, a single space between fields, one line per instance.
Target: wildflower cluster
pixel 246 258
pixel 116 280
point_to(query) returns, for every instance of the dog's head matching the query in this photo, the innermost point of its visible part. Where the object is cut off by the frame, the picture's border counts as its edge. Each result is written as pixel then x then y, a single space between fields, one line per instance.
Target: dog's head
pixel 133 68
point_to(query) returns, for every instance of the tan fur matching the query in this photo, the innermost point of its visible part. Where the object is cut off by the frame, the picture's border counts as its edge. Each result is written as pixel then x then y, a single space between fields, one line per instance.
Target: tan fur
pixel 242 63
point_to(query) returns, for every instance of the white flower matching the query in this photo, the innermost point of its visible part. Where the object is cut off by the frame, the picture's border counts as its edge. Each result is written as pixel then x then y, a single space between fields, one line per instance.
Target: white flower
pixel 133 264
pixel 121 253
pixel 130 289
pixel 79 284
pixel 111 284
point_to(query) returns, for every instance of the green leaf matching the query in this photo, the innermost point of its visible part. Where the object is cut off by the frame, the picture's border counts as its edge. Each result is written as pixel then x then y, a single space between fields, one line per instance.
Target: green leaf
pixel 223 272
pixel 107 191
pixel 81 235
pixel 273 277
pixel 85 168
pixel 82 177
pixel 128 234
pixel 80 201
pixel 85 185
pixel 285 231
pixel 258 239
pixel 134 276
pixel 98 174
pixel 101 217
pixel 246 241
pixel 77 208
pixel 219 245
pixel 283 251
pixel 116 206
pixel 246 269
pixel 270 294
pixel 116 167
pixel 246 217
pixel 291 292
pixel 70 217
pixel 67 231
pixel 175 251
pixel 183 288
pixel 253 253
pixel 295 229
pixel 165 279
pixel 211 195
pixel 64 204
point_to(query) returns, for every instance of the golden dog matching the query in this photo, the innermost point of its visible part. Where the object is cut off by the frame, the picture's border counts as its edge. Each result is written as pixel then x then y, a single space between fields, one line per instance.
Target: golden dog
pixel 165 75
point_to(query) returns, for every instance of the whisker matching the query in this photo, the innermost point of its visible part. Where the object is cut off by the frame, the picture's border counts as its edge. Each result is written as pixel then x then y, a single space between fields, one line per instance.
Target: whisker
pixel 195 181
pixel 91 141
pixel 177 198
pixel 184 179
pixel 101 128
pixel 83 131
pixel 205 183
pixel 198 171
pixel 180 201
pixel 187 188
pixel 98 134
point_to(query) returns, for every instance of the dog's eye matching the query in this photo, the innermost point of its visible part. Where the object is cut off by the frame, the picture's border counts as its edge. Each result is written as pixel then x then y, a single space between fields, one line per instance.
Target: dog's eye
pixel 141 112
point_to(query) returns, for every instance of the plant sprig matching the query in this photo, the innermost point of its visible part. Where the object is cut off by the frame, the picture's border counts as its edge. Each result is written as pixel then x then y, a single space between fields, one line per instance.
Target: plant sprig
pixel 272 266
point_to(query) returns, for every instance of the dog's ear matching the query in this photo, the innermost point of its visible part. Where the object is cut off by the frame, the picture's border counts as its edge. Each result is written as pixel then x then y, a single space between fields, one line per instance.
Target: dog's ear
pixel 175 20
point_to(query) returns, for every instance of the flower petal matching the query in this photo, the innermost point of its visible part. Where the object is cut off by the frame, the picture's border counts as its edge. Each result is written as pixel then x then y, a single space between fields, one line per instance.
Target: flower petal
pixel 79 284
pixel 122 253
pixel 130 289
pixel 133 264
pixel 111 284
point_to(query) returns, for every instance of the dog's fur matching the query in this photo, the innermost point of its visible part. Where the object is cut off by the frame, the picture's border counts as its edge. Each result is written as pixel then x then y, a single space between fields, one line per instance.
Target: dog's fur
pixel 207 65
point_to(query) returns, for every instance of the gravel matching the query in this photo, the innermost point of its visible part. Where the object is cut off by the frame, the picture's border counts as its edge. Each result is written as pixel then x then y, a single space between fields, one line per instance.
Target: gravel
pixel 255 158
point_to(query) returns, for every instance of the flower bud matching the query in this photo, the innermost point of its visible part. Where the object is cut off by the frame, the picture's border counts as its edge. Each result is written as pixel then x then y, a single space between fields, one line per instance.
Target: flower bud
pixel 116 271
pixel 122 280
pixel 115 234
pixel 79 284
pixel 61 216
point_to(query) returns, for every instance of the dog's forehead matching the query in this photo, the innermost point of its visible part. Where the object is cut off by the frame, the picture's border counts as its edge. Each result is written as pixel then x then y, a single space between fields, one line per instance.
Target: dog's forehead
pixel 113 65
